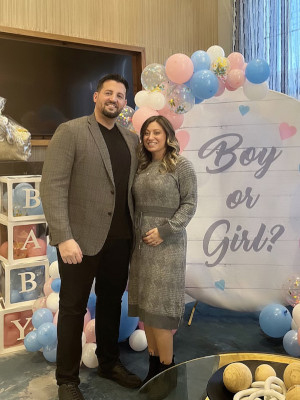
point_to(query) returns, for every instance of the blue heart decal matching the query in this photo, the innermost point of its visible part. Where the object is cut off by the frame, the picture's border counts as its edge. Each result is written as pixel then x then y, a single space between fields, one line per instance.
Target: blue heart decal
pixel 244 109
pixel 220 284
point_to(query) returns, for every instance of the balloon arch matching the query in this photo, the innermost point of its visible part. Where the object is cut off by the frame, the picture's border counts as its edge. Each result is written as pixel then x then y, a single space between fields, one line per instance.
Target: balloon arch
pixel 243 242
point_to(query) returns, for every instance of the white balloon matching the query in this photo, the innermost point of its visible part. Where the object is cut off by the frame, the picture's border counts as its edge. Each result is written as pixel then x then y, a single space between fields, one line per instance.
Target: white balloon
pixel 296 314
pixel 53 270
pixel 141 98
pixel 294 326
pixel 255 91
pixel 89 357
pixel 52 302
pixel 138 340
pixel 156 100
pixel 215 52
pixel 83 339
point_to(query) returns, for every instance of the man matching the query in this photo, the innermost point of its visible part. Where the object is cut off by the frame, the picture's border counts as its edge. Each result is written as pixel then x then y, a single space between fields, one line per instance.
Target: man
pixel 86 193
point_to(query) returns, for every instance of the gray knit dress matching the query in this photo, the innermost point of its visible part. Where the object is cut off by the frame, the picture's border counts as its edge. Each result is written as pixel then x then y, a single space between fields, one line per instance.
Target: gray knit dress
pixel 166 201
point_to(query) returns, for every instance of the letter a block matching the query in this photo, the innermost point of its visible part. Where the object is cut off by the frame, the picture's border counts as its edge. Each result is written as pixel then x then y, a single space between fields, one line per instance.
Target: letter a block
pixel 21 241
pixel 22 284
pixel 20 198
pixel 15 323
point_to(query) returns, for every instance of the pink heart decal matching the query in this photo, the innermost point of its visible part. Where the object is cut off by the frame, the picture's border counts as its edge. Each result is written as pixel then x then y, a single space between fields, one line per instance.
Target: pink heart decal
pixel 286 130
pixel 183 138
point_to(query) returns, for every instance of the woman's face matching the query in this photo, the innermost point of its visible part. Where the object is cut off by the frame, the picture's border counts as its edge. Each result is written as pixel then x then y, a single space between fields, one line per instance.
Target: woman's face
pixel 155 140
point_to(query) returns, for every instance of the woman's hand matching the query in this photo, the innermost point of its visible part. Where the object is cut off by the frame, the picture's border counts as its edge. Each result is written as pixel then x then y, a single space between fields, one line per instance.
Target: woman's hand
pixel 152 237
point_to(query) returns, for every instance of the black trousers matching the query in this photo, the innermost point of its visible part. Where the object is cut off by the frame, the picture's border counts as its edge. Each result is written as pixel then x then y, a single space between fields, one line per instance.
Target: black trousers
pixel 110 268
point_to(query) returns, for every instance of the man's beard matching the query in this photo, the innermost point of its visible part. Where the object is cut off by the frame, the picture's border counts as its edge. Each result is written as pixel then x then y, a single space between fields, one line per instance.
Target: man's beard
pixel 110 114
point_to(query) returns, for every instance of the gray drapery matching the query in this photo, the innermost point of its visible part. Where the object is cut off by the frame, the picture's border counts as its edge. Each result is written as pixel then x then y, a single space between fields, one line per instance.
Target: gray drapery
pixel 270 29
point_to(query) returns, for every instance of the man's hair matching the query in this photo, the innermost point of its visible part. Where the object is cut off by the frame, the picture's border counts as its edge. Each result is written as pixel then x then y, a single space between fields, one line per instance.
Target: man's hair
pixel 112 77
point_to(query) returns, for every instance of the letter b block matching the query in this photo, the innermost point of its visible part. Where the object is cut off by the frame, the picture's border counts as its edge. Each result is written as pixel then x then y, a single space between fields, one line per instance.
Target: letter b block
pixel 22 284
pixel 20 198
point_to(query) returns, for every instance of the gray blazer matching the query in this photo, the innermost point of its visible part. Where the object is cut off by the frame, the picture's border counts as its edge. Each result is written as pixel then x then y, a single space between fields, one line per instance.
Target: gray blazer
pixel 77 187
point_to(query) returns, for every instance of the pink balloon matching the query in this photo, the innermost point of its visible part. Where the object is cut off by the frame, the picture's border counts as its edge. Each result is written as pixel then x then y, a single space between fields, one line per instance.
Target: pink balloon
pixel 89 331
pixel 11 336
pixel 37 251
pixel 235 78
pixel 47 287
pixel 244 67
pixel 179 68
pixel 236 60
pixel 55 318
pixel 228 87
pixel 87 318
pixel 39 303
pixel 24 315
pixel 175 119
pixel 140 116
pixel 21 232
pixel 11 317
pixel 183 138
pixel 221 87
pixel 4 250
pixel 141 325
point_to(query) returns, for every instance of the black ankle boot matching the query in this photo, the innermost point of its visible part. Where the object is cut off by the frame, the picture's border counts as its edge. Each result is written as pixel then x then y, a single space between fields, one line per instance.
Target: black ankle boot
pixel 164 367
pixel 154 368
pixel 163 384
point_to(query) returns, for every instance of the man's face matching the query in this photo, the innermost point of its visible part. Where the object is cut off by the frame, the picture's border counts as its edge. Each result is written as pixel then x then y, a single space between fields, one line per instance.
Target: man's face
pixel 110 100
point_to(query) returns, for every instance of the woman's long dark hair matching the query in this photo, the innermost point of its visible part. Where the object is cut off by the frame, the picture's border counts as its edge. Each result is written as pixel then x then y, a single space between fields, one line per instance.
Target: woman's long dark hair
pixel 170 159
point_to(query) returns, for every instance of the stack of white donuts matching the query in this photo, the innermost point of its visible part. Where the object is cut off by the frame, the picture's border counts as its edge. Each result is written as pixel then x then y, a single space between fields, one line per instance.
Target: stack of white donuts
pixel 238 379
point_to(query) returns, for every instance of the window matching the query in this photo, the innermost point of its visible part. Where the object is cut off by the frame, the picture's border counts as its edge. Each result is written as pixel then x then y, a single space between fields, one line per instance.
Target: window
pixel 270 29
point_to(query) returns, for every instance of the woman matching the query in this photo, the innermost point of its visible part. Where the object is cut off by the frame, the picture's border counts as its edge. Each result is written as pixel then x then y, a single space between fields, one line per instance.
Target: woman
pixel 165 194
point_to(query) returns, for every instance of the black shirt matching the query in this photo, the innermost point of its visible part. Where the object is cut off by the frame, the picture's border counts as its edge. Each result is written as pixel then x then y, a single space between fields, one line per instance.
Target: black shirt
pixel 121 227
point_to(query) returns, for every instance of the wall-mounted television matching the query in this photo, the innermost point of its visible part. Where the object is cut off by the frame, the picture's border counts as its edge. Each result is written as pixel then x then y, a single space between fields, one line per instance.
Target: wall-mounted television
pixel 48 82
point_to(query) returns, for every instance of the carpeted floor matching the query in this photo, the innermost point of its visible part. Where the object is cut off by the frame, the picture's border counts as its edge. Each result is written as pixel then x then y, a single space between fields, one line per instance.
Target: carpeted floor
pixel 25 375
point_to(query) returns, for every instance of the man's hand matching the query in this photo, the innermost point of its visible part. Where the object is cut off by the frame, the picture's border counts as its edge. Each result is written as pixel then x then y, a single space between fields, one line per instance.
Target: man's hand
pixel 70 252
pixel 152 237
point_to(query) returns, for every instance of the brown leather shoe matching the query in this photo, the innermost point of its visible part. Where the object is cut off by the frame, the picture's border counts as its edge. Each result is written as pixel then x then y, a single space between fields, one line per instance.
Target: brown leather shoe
pixel 121 375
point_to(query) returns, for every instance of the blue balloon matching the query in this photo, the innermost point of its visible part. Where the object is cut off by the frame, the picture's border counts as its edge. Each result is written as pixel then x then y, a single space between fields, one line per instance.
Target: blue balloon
pixel 20 194
pixel 38 210
pixel 204 84
pixel 198 101
pixel 200 60
pixel 5 200
pixel 51 254
pixel 91 305
pixel 47 334
pixel 49 352
pixel 257 71
pixel 41 316
pixel 127 324
pixel 55 285
pixel 275 320
pixel 31 295
pixel 31 342
pixel 15 296
pixel 39 272
pixel 290 343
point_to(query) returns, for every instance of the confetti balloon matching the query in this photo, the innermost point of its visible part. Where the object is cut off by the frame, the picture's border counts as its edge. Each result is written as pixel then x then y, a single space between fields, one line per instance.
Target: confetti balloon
pixel 221 66
pixel 153 76
pixel 291 289
pixel 125 118
pixel 181 99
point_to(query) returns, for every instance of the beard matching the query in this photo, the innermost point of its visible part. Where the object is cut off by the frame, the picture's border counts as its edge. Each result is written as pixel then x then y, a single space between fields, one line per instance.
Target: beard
pixel 110 114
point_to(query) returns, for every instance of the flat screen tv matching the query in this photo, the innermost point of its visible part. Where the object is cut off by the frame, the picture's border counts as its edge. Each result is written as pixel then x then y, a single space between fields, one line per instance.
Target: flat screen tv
pixel 45 84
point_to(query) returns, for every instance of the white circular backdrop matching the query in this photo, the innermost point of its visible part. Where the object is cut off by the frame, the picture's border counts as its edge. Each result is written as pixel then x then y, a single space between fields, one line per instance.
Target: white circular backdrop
pixel 243 243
